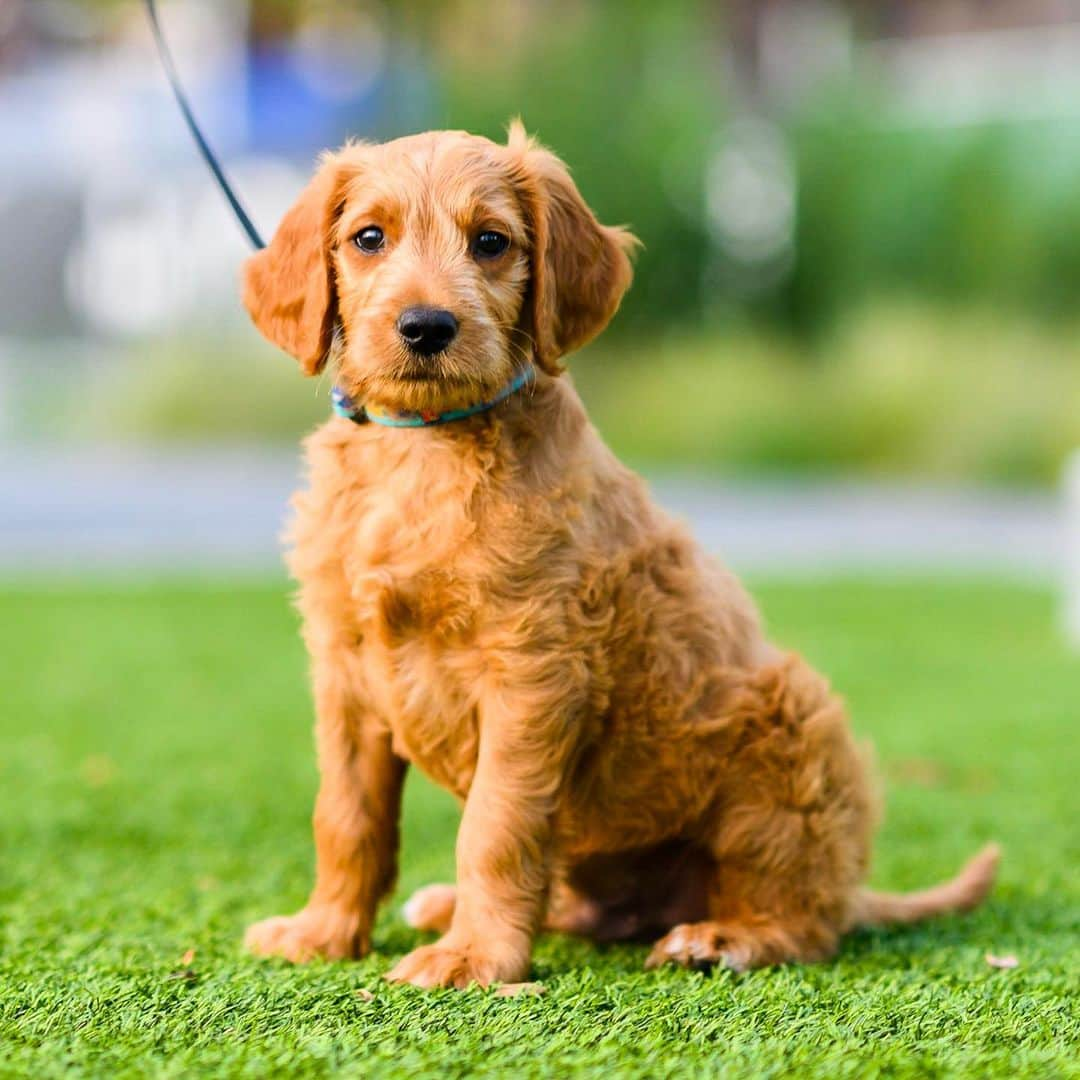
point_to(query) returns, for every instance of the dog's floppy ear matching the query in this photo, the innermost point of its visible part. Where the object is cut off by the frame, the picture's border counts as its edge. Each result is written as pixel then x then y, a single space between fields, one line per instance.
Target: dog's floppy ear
pixel 580 268
pixel 289 288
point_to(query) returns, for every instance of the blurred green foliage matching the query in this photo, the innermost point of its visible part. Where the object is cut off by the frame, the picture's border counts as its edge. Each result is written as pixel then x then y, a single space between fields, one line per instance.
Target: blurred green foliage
pixel 985 213
pixel 893 389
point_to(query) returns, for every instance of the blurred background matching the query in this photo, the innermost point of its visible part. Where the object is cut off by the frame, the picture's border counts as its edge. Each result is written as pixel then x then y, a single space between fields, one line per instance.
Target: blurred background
pixel 862 253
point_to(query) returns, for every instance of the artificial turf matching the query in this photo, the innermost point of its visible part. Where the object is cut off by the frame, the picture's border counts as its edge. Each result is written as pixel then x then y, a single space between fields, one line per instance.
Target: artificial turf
pixel 156 779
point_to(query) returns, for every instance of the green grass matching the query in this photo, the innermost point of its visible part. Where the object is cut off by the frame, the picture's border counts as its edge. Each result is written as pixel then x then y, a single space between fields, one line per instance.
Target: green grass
pixel 156 777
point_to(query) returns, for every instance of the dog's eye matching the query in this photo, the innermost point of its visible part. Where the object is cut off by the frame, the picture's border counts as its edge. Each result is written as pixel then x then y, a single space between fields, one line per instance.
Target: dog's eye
pixel 490 244
pixel 370 240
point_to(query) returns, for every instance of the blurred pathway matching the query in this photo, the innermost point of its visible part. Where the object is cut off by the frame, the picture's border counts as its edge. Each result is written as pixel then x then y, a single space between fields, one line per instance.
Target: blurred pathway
pixel 136 510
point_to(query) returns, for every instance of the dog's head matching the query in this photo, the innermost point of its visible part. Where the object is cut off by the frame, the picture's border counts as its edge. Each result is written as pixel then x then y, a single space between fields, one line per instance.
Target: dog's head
pixel 434 266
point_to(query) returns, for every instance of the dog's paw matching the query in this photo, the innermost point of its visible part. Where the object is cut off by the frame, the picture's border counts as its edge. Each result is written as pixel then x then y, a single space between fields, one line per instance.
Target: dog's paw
pixel 431 908
pixel 698 945
pixel 459 967
pixel 306 935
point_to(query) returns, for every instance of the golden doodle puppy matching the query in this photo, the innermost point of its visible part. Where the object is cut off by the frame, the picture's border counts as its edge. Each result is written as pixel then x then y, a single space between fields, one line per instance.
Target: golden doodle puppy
pixel 487 593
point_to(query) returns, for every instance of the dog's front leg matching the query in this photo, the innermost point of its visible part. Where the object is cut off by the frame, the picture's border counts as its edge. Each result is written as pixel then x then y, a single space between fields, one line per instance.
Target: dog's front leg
pixel 356 832
pixel 502 854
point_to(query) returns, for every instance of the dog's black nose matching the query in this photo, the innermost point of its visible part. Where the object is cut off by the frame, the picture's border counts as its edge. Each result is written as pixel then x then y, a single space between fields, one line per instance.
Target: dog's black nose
pixel 427 330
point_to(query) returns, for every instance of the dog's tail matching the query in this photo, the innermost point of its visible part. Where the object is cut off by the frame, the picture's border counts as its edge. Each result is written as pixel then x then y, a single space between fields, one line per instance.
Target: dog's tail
pixel 962 893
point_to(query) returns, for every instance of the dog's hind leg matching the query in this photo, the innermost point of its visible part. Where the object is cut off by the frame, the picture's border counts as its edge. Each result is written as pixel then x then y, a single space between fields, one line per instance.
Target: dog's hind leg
pixel 789 832
pixel 741 945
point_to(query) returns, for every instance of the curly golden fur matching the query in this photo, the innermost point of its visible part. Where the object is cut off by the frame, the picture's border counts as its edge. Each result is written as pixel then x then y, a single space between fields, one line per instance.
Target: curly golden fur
pixel 499 602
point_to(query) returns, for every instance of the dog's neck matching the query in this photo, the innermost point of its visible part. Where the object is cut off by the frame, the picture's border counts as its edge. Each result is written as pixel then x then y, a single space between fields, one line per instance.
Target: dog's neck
pixel 345 407
pixel 530 434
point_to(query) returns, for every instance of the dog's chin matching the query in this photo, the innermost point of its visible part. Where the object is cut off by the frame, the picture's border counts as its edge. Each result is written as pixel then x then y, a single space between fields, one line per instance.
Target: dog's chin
pixel 428 392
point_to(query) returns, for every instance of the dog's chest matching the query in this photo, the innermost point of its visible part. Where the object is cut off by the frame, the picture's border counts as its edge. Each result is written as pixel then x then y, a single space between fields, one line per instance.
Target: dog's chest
pixel 424 569
pixel 420 577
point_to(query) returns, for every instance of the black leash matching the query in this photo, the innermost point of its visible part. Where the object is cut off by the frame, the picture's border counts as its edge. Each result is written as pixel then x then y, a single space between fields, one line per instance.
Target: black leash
pixel 200 141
